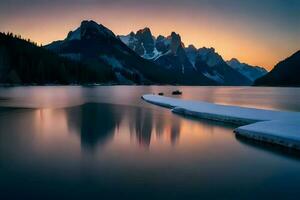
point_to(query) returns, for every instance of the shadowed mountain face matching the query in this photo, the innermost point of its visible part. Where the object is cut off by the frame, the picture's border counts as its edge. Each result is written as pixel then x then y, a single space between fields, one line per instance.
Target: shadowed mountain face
pixel 94 43
pixel 170 53
pixel 285 73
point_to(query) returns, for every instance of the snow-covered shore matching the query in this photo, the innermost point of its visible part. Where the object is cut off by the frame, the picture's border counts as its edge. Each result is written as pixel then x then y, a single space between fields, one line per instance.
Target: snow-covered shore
pixel 278 127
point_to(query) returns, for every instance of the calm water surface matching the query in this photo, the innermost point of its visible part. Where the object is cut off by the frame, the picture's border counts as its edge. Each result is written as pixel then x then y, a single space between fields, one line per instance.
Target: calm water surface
pixel 105 142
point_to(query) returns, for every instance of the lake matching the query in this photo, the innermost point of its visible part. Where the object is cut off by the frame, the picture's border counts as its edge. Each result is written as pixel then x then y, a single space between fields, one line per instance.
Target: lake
pixel 106 143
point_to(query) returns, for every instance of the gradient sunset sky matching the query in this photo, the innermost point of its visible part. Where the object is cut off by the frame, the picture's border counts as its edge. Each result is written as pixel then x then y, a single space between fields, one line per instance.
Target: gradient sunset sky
pixel 257 32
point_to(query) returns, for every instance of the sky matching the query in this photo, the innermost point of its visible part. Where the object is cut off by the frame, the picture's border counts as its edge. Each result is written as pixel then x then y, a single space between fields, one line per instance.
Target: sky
pixel 256 32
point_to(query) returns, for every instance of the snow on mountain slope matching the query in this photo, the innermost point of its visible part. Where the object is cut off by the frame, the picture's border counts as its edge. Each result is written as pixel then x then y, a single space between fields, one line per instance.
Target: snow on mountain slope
pixel 251 72
pixel 211 64
pixel 98 46
pixel 209 56
pixel 142 58
pixel 142 42
pixel 170 53
pixel 101 50
pixel 165 51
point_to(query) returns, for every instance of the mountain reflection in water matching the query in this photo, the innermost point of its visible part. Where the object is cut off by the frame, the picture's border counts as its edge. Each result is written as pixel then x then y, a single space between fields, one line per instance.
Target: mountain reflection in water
pixel 94 123
pixel 97 123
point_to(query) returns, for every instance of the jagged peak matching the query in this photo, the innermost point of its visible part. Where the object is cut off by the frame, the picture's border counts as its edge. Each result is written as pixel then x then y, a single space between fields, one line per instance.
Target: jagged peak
pixel 210 56
pixel 234 60
pixel 85 27
pixel 207 49
pixel 92 22
pixel 132 34
pixel 175 42
pixel 192 47
pixel 145 36
pixel 144 30
pixel 160 37
pixel 99 27
pixel 173 33
pixel 235 63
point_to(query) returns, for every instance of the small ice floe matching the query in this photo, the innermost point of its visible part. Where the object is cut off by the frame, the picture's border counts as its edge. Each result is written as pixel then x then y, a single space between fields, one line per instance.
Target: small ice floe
pixel 277 127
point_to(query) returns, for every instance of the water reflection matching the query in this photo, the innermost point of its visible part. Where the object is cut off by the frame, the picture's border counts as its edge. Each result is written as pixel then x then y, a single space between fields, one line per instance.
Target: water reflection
pixel 58 97
pixel 94 123
pixel 142 121
pixel 112 144
pixel 270 148
pixel 175 132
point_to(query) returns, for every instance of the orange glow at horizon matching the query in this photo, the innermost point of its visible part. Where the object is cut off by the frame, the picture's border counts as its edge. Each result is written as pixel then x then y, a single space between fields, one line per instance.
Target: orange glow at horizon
pixel 228 36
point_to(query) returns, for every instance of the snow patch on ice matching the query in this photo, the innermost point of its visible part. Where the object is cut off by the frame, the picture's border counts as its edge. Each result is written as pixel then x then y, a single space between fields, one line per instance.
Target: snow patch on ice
pixel 281 132
pixel 277 127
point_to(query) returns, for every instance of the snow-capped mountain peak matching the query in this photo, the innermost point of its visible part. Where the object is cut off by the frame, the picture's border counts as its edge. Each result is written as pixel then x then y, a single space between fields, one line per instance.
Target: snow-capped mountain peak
pixel 170 52
pixel 142 42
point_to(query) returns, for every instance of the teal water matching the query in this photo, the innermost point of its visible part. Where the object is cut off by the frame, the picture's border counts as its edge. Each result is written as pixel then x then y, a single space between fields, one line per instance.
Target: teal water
pixel 106 143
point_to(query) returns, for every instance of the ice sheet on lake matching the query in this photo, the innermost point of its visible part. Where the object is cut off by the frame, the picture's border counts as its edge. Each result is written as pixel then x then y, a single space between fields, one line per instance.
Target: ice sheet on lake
pixel 282 132
pixel 279 127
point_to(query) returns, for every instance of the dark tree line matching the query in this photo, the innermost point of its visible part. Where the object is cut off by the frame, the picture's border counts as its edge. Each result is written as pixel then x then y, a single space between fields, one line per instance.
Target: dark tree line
pixel 12 35
pixel 24 62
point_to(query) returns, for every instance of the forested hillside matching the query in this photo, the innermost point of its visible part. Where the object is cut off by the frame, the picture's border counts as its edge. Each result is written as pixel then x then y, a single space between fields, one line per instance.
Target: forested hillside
pixel 23 62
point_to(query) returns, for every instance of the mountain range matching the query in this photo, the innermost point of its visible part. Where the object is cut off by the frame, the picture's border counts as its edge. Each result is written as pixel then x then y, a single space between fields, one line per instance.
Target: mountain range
pixel 94 54
pixel 171 53
pixel 92 42
pixel 141 58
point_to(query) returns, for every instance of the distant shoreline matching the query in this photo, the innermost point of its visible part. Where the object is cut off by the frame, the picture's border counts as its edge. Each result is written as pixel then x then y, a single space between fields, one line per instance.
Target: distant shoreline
pixel 116 84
